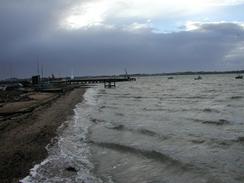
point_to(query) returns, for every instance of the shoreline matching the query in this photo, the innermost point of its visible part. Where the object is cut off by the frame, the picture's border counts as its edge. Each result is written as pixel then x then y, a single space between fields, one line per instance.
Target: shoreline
pixel 23 138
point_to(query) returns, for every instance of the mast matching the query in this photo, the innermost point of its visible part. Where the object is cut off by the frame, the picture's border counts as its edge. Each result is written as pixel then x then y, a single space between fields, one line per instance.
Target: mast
pixel 42 71
pixel 37 65
pixel 126 74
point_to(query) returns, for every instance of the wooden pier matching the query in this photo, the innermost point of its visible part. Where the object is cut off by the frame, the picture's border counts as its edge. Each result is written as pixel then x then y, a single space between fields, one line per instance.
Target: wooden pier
pixel 60 83
pixel 109 82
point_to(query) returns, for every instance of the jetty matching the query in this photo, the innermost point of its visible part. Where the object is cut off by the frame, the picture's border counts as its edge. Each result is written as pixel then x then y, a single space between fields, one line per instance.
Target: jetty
pixel 91 80
pixel 37 82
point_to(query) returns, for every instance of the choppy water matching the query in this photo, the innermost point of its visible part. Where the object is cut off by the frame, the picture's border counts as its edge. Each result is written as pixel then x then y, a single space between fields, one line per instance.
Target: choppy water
pixel 153 130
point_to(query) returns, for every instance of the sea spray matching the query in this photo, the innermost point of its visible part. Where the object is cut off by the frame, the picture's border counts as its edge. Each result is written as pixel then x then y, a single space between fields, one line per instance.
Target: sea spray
pixel 69 154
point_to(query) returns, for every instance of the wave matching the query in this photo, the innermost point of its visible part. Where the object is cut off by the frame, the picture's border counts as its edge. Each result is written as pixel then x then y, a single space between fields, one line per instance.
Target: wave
pixel 107 107
pixel 198 141
pixel 208 141
pixel 142 131
pixel 172 166
pixel 68 157
pixel 160 109
pixel 219 122
pixel 96 121
pixel 220 142
pixel 192 97
pixel 147 132
pixel 119 114
pixel 212 122
pixel 211 110
pixel 151 154
pixel 240 139
pixel 115 127
pixel 154 110
pixel 224 143
pixel 236 97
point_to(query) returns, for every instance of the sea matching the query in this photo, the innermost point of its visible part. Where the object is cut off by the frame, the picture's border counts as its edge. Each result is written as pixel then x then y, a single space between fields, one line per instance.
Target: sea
pixel 152 130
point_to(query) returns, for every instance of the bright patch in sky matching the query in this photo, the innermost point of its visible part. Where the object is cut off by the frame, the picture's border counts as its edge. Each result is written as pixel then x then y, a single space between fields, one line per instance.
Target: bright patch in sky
pixel 122 13
pixel 89 14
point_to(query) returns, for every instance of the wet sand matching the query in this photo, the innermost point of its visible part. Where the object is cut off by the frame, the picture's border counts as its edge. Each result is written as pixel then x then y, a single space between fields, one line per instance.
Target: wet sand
pixel 23 138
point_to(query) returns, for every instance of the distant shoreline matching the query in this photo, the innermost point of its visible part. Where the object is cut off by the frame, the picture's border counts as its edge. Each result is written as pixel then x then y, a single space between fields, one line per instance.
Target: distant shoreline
pixel 190 73
pixel 2 81
pixel 23 138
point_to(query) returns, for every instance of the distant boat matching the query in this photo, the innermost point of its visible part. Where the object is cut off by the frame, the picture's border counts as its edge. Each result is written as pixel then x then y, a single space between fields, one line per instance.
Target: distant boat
pixel 198 78
pixel 171 77
pixel 239 77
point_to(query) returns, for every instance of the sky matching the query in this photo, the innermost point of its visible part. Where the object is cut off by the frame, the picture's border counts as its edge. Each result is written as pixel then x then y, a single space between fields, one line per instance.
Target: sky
pixel 103 37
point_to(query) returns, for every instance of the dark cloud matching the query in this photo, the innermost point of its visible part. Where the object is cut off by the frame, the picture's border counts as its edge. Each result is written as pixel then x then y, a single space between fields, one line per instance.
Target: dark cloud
pixel 29 32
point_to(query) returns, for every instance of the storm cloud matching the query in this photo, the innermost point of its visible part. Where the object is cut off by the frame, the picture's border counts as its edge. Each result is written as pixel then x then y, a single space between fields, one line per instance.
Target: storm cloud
pixel 31 32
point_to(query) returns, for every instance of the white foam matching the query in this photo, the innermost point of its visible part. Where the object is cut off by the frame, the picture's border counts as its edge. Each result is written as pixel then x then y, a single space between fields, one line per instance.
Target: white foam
pixel 69 149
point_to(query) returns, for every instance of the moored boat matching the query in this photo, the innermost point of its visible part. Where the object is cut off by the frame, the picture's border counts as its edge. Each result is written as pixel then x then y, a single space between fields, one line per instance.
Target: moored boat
pixel 198 78
pixel 239 77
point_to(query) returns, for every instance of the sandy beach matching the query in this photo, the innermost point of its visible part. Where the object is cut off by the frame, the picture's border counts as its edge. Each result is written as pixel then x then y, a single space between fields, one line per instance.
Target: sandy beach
pixel 23 138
